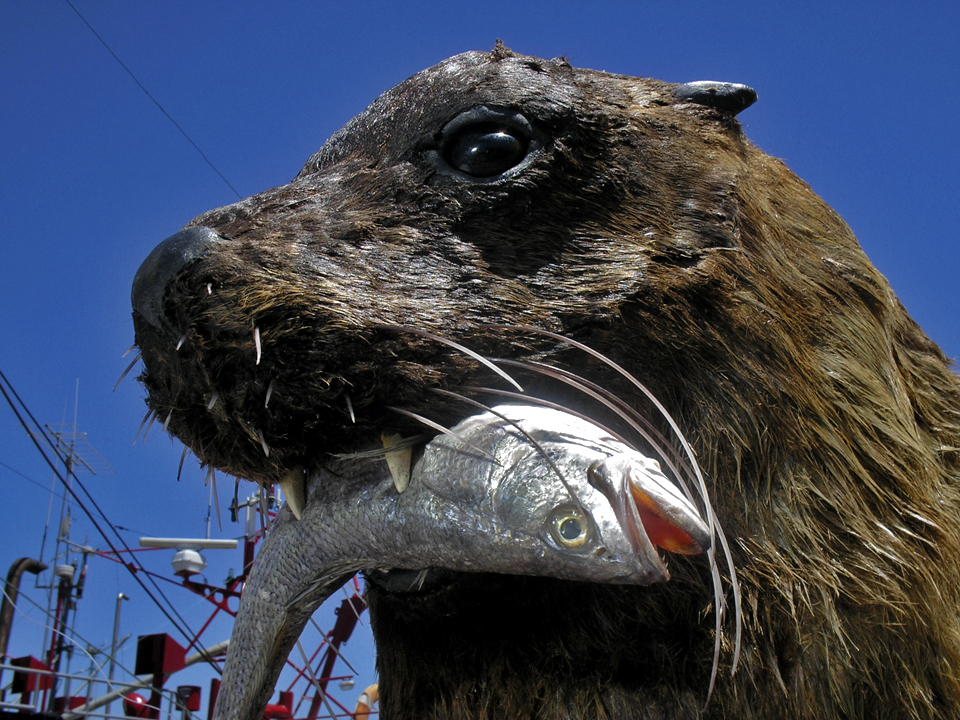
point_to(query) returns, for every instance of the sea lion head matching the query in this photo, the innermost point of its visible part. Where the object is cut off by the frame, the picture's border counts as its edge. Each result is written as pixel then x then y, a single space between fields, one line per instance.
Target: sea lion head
pixel 403 219
pixel 495 192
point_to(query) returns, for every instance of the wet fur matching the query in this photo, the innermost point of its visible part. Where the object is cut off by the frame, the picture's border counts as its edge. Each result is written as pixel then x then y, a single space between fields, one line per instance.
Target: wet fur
pixel 651 230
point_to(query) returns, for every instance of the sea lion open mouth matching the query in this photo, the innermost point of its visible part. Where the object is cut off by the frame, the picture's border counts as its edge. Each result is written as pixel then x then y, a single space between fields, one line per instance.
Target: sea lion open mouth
pixel 563 222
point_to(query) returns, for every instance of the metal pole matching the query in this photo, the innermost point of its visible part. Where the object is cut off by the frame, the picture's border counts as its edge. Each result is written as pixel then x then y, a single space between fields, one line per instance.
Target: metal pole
pixel 10 596
pixel 11 590
pixel 60 645
pixel 92 651
pixel 113 648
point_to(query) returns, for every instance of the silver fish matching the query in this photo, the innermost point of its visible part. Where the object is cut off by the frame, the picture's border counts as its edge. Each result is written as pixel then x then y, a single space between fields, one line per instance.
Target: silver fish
pixel 521 490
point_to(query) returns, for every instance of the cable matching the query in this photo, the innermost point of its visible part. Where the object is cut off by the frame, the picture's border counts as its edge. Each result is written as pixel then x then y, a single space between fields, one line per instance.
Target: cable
pixel 112 685
pixel 185 629
pixel 116 686
pixel 159 106
pixel 67 637
pixel 69 489
pixel 28 479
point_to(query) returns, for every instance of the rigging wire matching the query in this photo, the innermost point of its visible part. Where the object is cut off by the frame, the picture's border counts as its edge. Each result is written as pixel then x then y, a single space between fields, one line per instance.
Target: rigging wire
pixel 154 100
pixel 29 479
pixel 135 569
pixel 179 623
pixel 72 637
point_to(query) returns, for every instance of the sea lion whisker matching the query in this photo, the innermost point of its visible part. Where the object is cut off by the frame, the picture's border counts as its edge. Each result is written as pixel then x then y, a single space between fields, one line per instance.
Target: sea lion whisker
pixel 216 500
pixel 255 435
pixel 256 342
pixel 166 421
pixel 182 340
pixel 183 456
pixel 418 580
pixel 133 362
pixel 619 369
pixel 719 607
pixel 662 445
pixel 128 351
pixel 142 423
pixel 263 443
pixel 456 346
pixel 716 581
pixel 380 453
pixel 353 418
pixel 545 403
pixel 627 414
pixel 212 481
pixel 270 386
pixel 213 400
pixel 264 510
pixel 735 589
pixel 146 430
pixel 446 431
pixel 235 507
pixel 533 441
pixel 568 378
pixel 614 434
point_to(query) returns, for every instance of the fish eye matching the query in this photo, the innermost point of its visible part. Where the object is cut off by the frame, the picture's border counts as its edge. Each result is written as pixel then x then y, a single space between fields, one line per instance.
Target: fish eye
pixel 569 527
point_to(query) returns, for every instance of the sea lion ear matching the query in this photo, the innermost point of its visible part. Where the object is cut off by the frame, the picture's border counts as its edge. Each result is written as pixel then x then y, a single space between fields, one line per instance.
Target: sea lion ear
pixel 723 96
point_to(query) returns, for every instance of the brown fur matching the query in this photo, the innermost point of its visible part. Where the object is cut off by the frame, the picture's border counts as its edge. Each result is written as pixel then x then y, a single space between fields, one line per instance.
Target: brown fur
pixel 651 230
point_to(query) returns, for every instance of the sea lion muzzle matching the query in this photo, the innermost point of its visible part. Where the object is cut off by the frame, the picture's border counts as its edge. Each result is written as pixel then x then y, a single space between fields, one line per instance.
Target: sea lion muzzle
pixel 162 265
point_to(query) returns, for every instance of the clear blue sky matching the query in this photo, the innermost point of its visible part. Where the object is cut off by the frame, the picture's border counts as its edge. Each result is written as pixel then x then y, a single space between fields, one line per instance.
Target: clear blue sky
pixel 860 99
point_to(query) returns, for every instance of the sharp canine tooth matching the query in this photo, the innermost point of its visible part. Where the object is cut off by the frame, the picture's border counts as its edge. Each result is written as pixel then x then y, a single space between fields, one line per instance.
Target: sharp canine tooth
pixel 294 487
pixel 399 461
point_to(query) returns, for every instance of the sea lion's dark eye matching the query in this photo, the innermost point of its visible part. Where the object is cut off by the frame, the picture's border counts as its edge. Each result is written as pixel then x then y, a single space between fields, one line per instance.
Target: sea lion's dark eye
pixel 486 143
pixel 485 152
pixel 569 527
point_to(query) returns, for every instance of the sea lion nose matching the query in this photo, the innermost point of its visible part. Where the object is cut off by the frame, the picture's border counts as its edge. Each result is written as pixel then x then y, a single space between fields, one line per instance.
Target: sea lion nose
pixel 162 265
